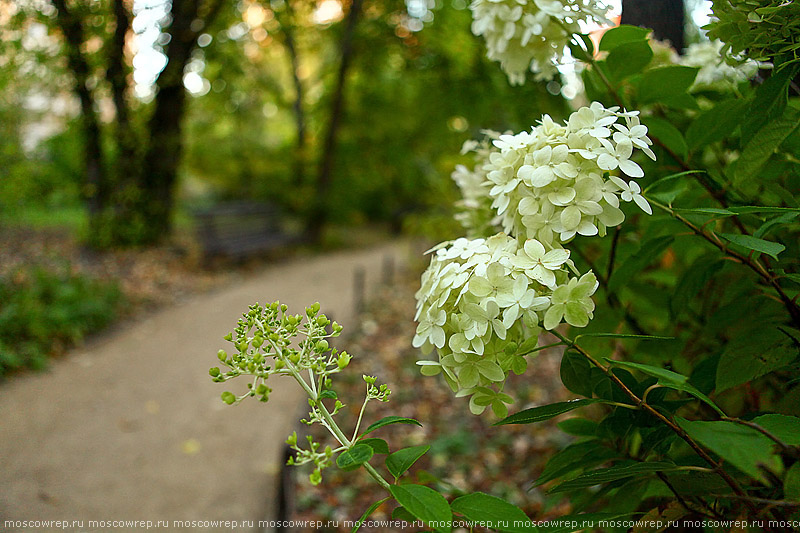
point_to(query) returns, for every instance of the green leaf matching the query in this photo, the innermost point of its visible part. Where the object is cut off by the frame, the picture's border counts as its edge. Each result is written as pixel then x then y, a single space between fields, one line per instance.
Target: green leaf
pixel 785 427
pixel 388 420
pixel 579 427
pixel 401 460
pixel 763 145
pixel 716 124
pixel 634 264
pixel 682 101
pixel 528 345
pixel 669 379
pixel 791 483
pixel 668 134
pixel 426 504
pixel 628 58
pixel 377 445
pixel 705 211
pixel 575 374
pixel 490 370
pixel 354 457
pixel 791 277
pixel 579 455
pixel 400 513
pixel 623 336
pixel 327 394
pixel 770 248
pixel 371 509
pixel 691 284
pixel 769 102
pixel 622 34
pixel 754 353
pixel 698 483
pixel 605 475
pixel 741 446
pixel 666 179
pixel 749 209
pixel 545 412
pixel 493 513
pixel 668 188
pixel 767 226
pixel 665 82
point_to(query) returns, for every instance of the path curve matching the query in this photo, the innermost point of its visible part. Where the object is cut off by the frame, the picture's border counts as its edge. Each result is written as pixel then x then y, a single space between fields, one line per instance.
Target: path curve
pixel 131 427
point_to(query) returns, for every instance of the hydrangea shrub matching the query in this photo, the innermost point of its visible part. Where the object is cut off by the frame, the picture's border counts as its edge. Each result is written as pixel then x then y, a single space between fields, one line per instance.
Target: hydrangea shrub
pixel 686 338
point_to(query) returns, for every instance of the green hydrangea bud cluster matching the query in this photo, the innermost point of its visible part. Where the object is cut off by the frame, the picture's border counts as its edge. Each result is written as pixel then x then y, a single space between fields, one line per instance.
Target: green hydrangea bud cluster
pixel 264 342
pixel 270 341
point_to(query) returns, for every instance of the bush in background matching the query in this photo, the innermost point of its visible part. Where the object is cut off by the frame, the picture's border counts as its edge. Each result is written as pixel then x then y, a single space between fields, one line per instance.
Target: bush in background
pixel 43 312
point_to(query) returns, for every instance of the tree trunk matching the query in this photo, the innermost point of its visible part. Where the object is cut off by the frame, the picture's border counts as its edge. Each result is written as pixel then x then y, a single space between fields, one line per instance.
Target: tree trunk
pixel 665 17
pixel 122 208
pixel 162 157
pixel 321 213
pixel 300 156
pixel 96 186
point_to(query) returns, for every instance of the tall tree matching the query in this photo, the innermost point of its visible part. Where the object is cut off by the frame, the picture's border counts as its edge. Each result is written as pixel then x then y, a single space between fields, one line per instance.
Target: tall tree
pixel 322 206
pixel 133 203
pixel 665 17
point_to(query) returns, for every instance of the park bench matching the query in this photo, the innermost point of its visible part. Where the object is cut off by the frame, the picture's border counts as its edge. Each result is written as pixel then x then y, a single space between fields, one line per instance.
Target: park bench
pixel 238 230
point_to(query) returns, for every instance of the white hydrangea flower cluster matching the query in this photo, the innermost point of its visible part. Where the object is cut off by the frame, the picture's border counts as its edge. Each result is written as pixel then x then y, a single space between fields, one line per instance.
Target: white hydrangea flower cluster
pixel 479 297
pixel 475 211
pixel 714 71
pixel 531 34
pixel 483 302
pixel 559 180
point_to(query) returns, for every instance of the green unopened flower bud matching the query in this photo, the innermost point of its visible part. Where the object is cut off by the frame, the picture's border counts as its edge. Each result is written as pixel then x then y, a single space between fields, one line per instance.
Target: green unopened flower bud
pixel 228 397
pixel 321 346
pixel 257 342
pixel 284 307
pixel 316 477
pixel 222 355
pixel 261 389
pixel 343 360
pixel 228 337
pixel 322 320
pixel 213 372
pixel 370 380
pixel 279 364
pixel 292 439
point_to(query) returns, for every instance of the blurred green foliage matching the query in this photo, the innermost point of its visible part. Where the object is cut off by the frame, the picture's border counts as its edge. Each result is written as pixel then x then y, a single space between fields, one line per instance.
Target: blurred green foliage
pixel 43 311
pixel 415 91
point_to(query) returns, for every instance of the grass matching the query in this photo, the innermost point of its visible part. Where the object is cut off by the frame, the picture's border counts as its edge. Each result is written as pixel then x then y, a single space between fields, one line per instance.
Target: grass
pixel 73 218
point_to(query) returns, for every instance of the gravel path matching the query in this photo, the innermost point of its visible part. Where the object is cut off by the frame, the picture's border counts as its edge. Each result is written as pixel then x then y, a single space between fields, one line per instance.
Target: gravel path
pixel 131 428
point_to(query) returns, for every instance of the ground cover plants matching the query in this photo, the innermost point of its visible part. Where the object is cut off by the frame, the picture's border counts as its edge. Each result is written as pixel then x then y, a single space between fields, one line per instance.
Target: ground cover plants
pixel 653 234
